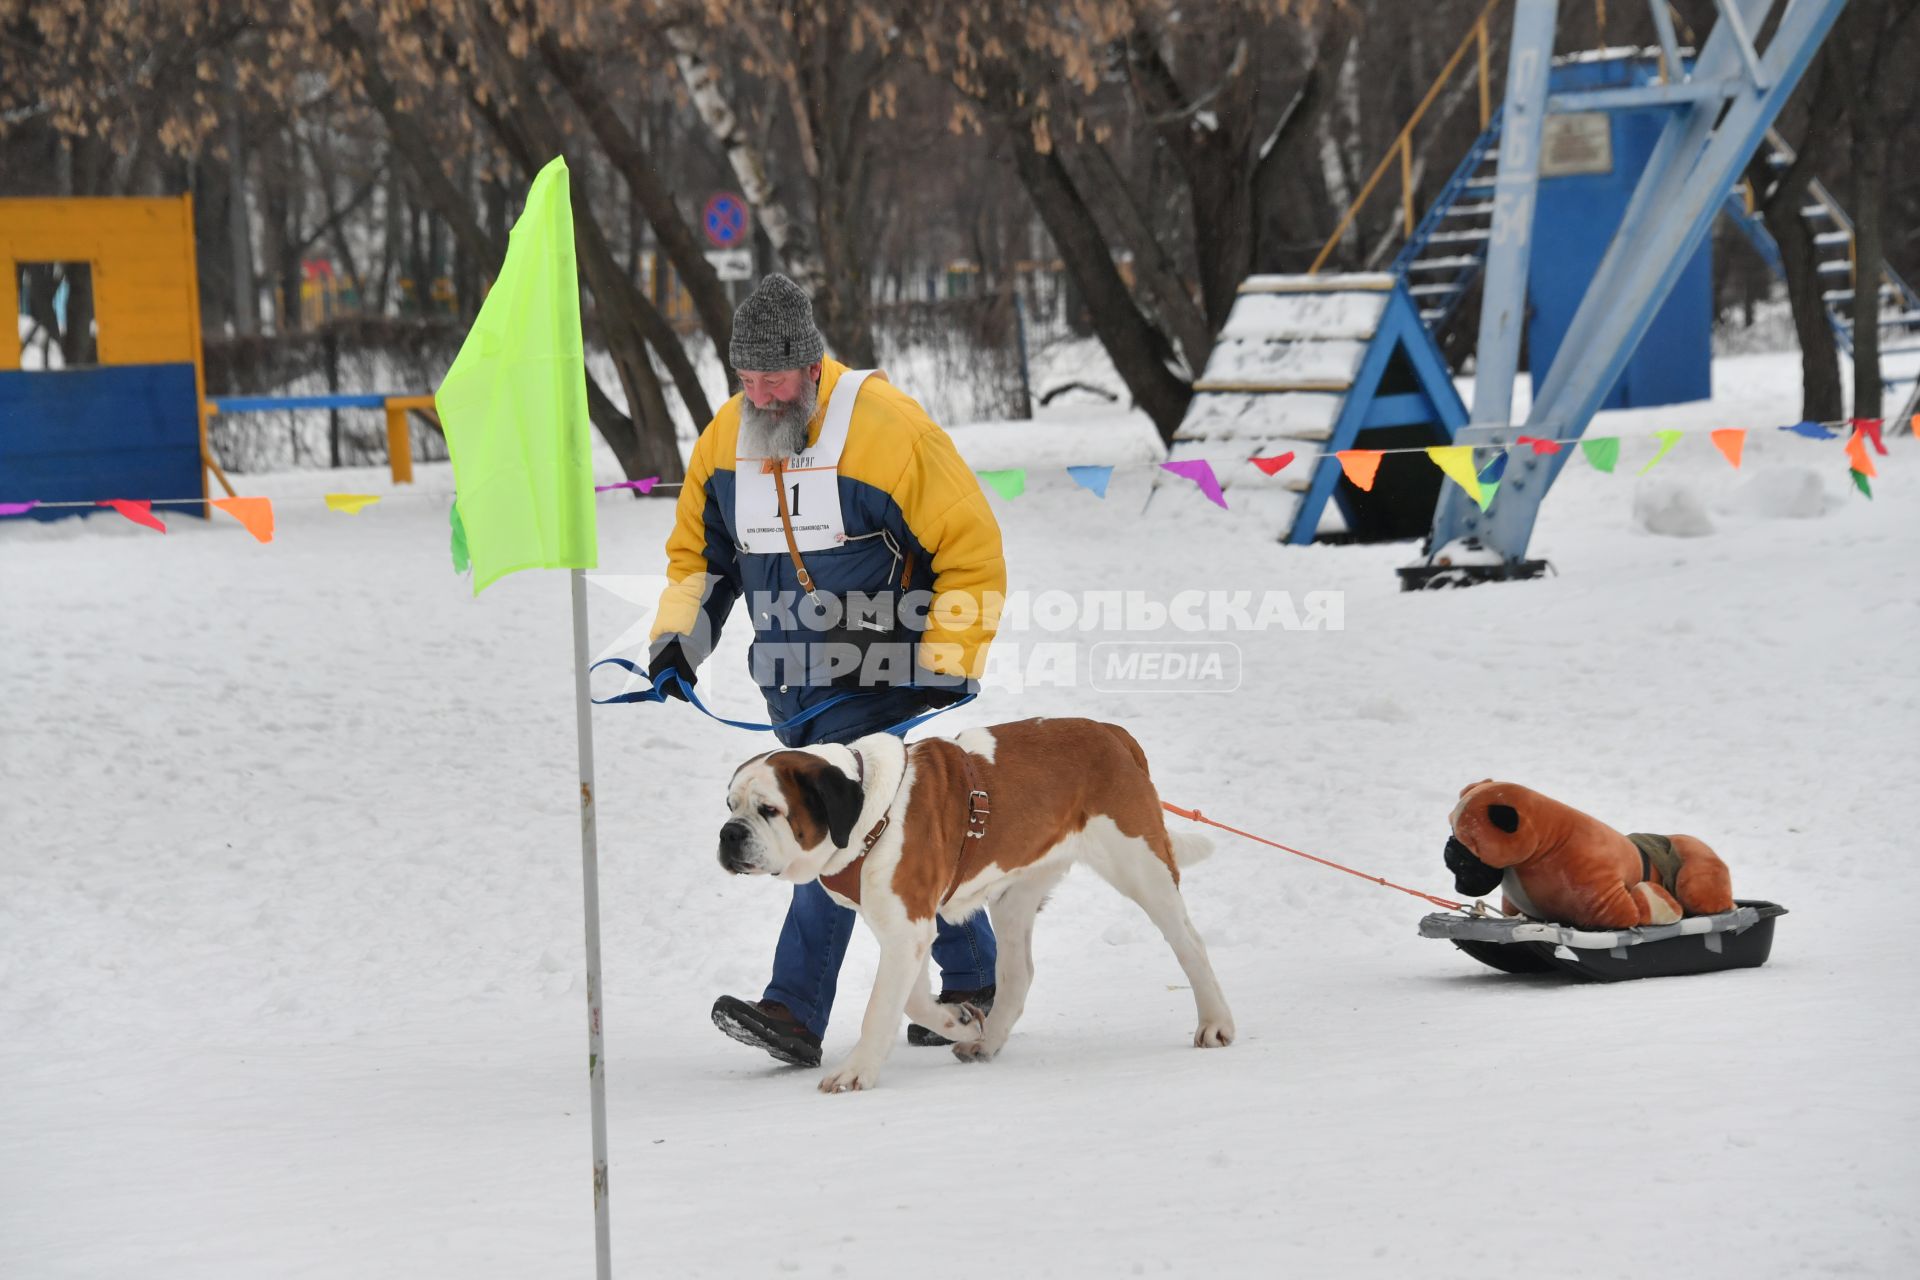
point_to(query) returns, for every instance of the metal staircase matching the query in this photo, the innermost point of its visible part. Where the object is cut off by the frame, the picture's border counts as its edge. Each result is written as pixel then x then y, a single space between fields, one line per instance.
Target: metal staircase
pixel 1442 259
pixel 1834 257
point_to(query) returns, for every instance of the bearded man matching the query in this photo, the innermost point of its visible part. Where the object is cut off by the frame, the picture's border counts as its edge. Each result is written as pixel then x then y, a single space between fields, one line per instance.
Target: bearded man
pixel 829 501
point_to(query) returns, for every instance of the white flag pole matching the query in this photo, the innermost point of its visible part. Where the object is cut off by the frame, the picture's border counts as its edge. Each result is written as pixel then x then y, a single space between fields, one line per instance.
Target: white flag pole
pixel 590 876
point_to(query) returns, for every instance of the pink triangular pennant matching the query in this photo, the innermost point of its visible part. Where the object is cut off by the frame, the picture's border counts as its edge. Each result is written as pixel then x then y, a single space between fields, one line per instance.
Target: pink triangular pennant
pixel 138 511
pixel 1200 471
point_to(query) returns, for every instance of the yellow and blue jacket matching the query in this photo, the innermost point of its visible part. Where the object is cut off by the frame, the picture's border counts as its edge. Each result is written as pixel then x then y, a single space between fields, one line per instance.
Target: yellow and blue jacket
pixel 899 474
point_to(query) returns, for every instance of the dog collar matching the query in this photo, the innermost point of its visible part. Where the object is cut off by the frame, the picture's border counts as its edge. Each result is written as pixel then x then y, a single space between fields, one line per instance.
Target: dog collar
pixel 886 815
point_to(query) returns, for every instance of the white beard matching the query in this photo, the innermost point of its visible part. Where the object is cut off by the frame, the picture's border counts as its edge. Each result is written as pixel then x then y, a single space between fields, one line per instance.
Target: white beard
pixel 779 431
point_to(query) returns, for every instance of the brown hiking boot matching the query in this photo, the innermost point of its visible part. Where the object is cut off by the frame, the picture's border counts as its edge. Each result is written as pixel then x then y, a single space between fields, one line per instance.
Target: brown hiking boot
pixel 769 1025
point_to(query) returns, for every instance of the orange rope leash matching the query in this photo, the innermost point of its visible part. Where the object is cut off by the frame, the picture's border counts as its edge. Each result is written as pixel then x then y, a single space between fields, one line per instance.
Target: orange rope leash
pixel 1196 816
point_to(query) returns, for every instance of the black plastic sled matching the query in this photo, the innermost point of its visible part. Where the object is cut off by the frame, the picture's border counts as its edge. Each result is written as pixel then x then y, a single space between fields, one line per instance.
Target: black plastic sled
pixel 1738 939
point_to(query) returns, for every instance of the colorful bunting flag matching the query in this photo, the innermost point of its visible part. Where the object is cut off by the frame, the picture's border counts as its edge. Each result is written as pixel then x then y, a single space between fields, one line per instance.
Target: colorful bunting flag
pixel 1602 452
pixel 1667 439
pixel 254 514
pixel 1009 483
pixel 1858 456
pixel 1360 466
pixel 1094 478
pixel 1200 471
pixel 513 406
pixel 457 544
pixel 1456 462
pixel 1731 442
pixel 140 512
pixel 1872 427
pixel 1812 431
pixel 1490 479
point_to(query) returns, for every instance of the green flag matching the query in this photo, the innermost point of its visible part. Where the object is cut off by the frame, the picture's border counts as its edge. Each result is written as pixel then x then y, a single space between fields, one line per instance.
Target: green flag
pixel 514 404
pixel 457 543
pixel 1602 452
pixel 1009 484
pixel 1668 439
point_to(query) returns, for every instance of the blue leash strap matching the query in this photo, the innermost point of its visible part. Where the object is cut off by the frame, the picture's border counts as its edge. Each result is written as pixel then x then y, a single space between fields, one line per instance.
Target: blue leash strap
pixel 658 693
pixel 925 716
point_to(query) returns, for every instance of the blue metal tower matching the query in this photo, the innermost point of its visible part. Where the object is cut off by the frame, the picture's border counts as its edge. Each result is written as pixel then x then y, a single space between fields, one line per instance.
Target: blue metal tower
pixel 1725 104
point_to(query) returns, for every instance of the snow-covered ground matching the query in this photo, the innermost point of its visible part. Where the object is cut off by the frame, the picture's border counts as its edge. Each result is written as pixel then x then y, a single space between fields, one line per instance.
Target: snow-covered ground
pixel 290 942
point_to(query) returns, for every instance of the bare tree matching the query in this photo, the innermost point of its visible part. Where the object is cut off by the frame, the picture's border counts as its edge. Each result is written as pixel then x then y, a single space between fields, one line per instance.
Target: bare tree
pixel 1871 48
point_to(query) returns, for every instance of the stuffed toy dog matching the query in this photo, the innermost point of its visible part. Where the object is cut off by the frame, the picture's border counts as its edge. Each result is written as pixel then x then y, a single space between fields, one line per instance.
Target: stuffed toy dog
pixel 1556 863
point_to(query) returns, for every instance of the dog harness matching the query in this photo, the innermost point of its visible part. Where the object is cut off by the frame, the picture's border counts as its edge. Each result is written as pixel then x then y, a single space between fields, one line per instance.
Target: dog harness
pixel 846 881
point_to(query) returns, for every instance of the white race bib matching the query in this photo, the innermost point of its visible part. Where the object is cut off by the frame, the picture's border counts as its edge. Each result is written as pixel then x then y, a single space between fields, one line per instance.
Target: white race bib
pixel 812 480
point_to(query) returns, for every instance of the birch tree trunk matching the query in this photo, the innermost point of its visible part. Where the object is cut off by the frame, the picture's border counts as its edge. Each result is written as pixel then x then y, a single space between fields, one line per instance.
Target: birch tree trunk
pixel 786 233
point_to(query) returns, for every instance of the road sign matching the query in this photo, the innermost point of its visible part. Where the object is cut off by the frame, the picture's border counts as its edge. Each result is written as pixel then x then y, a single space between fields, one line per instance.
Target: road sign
pixel 725 219
pixel 732 264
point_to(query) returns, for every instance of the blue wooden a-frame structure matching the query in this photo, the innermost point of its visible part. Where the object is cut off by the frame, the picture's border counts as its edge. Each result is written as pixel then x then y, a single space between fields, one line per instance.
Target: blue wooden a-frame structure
pixel 1311 365
pixel 1402 382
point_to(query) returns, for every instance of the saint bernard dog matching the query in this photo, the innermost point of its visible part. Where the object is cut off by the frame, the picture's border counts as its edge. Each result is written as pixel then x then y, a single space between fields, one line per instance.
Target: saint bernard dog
pixel 993 817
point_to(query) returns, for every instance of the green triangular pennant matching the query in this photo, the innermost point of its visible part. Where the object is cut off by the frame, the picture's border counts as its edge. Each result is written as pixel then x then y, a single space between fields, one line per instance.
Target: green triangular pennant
pixel 1010 483
pixel 1667 439
pixel 459 541
pixel 1603 453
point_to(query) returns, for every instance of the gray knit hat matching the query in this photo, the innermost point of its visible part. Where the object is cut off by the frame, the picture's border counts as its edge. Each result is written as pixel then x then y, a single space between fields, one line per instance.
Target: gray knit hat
pixel 773 329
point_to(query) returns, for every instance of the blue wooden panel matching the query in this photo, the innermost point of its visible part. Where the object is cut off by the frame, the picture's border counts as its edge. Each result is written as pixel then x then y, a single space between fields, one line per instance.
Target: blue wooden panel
pixel 1574 222
pixel 1406 409
pixel 259 404
pixel 128 431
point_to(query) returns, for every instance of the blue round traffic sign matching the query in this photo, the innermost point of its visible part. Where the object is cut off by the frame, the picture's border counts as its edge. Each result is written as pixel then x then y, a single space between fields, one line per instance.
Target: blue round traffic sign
pixel 726 219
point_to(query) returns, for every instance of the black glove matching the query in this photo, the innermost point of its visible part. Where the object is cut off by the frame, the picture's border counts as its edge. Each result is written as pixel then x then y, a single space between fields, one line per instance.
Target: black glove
pixel 671 660
pixel 943 695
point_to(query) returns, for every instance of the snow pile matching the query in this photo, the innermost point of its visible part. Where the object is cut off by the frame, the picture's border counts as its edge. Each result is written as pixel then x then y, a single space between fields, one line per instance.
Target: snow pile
pixel 290 935
pixel 1672 509
pixel 1781 493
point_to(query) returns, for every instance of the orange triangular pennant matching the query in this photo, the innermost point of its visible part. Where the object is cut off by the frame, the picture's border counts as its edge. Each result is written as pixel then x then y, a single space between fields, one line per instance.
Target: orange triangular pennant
pixel 1361 466
pixel 254 513
pixel 1730 441
pixel 1857 454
